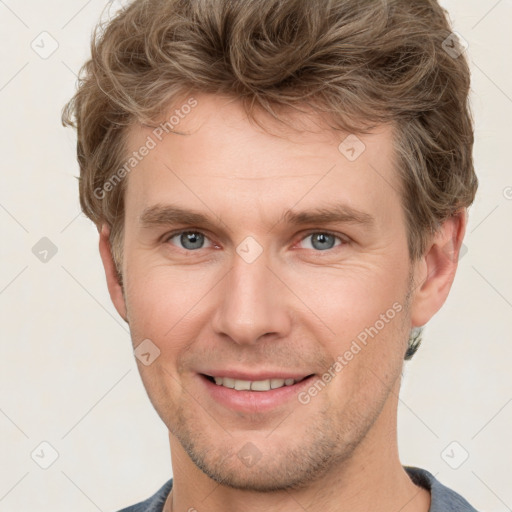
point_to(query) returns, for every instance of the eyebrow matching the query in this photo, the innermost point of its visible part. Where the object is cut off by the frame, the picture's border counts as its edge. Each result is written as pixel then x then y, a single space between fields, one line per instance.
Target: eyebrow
pixel 159 214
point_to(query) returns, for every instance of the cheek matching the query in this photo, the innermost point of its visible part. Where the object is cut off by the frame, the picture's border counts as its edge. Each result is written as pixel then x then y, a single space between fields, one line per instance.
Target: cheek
pixel 163 302
pixel 352 299
pixel 368 315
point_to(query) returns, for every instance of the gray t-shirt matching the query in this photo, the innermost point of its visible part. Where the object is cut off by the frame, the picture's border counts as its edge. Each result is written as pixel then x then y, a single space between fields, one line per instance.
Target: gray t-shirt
pixel 442 498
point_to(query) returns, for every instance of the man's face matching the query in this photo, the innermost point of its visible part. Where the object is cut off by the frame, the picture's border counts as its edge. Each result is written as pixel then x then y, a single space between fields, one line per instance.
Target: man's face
pixel 254 294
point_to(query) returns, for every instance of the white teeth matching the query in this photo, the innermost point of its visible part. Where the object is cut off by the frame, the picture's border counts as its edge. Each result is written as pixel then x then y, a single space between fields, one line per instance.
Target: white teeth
pixel 242 385
pixel 276 383
pixel 258 385
pixel 228 383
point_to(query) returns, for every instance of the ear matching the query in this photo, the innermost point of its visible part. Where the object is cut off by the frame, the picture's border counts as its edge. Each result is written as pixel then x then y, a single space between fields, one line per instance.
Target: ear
pixel 114 286
pixel 435 272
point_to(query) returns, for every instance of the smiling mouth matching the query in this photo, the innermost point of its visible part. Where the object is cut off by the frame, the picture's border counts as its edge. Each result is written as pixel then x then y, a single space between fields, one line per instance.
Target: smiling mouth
pixel 258 385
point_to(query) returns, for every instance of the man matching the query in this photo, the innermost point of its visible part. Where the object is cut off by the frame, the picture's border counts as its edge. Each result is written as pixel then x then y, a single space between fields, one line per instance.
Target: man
pixel 281 190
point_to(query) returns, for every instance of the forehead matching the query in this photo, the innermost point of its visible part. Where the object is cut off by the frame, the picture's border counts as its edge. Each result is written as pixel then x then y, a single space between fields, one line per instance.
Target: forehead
pixel 216 157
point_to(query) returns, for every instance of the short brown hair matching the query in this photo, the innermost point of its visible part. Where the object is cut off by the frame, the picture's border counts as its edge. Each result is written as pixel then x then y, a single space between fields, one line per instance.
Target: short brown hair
pixel 358 63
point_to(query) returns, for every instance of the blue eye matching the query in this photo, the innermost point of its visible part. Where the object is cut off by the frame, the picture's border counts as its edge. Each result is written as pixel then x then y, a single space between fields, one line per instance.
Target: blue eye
pixel 322 240
pixel 190 240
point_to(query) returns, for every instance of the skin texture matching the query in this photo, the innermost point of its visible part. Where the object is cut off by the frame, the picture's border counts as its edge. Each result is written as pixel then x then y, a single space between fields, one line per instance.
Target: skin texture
pixel 297 307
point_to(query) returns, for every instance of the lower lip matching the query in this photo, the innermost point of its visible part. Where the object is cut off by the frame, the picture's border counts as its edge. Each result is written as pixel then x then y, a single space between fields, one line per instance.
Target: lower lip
pixel 253 401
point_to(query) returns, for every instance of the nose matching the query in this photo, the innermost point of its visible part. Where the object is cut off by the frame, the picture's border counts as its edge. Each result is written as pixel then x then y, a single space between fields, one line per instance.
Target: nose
pixel 254 302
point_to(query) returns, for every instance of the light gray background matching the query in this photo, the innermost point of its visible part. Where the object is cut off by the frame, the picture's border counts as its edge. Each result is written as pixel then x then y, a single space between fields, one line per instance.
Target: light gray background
pixel 67 372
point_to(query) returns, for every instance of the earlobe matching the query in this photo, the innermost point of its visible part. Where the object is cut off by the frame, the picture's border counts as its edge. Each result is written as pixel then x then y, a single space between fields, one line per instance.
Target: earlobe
pixel 114 286
pixel 435 273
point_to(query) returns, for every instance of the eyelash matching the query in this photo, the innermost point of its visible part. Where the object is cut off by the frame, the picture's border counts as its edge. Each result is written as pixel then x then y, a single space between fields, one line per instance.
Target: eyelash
pixel 344 241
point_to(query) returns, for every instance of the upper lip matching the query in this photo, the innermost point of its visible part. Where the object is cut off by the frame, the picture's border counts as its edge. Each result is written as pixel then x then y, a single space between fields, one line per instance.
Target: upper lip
pixel 266 375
